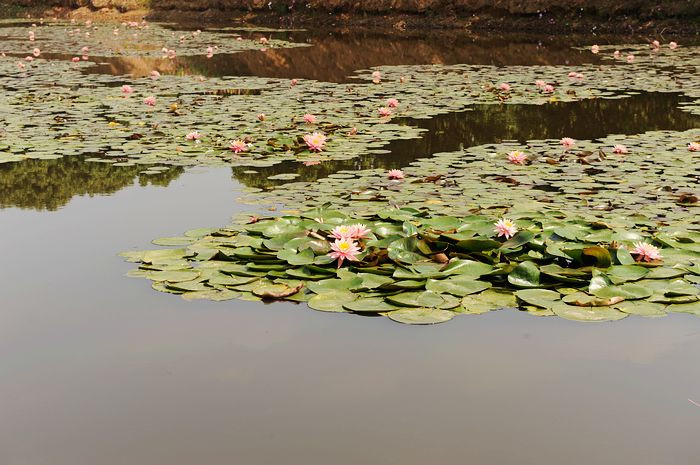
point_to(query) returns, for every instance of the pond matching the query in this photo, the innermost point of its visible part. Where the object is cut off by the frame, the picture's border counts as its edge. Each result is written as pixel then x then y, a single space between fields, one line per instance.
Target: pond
pixel 99 368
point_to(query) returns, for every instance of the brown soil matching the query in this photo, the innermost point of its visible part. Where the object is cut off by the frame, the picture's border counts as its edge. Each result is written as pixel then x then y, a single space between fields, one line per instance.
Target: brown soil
pixel 550 16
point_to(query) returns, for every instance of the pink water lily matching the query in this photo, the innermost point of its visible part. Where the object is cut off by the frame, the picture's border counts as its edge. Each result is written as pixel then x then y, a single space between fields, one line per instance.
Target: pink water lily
pixel 595 49
pixel 619 148
pixel 504 86
pixel 315 141
pixel 645 252
pixel 309 118
pixel 359 231
pixel 312 162
pixel 694 146
pixel 540 83
pixel 548 89
pixel 630 58
pixel 293 82
pixel 36 52
pixel 505 228
pixel 194 135
pixel 385 112
pixel 261 117
pixel 352 131
pixel 672 45
pixel 392 103
pixel 655 44
pixel 150 101
pixel 127 89
pixel 29 58
pixel 342 232
pixel 395 174
pixel 617 54
pixel 567 142
pixel 155 75
pixel 344 249
pixel 75 59
pixel 517 157
pixel 238 146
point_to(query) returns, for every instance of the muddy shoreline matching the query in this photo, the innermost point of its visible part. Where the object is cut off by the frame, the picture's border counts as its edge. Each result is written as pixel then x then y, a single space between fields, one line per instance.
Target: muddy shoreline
pixel 676 18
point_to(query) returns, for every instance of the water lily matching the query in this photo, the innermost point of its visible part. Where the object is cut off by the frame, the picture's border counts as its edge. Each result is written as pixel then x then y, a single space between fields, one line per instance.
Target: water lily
pixel 540 83
pixel 155 75
pixel 392 103
pixel 29 58
pixel 312 162
pixel 194 135
pixel 238 146
pixel 694 146
pixel 395 174
pixel 645 252
pixel 505 228
pixel 127 89
pixel 504 86
pixel 617 54
pixel 261 117
pixel 294 82
pixel 619 148
pixel 75 59
pixel 150 101
pixel 567 142
pixel 630 58
pixel 517 157
pixel 264 40
pixel 548 89
pixel 210 52
pixel 352 131
pixel 385 112
pixel 672 45
pixel 359 231
pixel 309 118
pixel 344 249
pixel 36 52
pixel 342 232
pixel 315 141
pixel 595 49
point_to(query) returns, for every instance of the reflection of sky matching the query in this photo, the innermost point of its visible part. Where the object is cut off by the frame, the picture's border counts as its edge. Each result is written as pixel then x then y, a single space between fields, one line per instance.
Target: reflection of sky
pixel 100 369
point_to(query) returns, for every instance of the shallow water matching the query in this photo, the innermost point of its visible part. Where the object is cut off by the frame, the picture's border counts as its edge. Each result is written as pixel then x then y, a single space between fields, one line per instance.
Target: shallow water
pixel 100 369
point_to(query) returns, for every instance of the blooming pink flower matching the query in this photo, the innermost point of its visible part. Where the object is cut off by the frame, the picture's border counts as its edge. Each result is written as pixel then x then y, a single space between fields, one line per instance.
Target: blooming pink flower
pixel 315 141
pixel 20 65
pixel 36 52
pixel 395 174
pixel 210 51
pixel 75 59
pixel 694 146
pixel 309 118
pixel 504 86
pixel 540 83
pixel 127 89
pixel 517 157
pixel 619 148
pixel 617 54
pixel 392 103
pixel 402 79
pixel 353 131
pixel 85 57
pixel 385 112
pixel 548 89
pixel 261 117
pixel 645 252
pixel 342 232
pixel 672 45
pixel 572 74
pixel 238 146
pixel 359 231
pixel 630 58
pixel 312 162
pixel 294 82
pixel 154 75
pixel 264 40
pixel 655 44
pixel 376 75
pixel 567 142
pixel 505 228
pixel 29 58
pixel 85 49
pixel 150 101
pixel 344 249
pixel 595 49
pixel 194 135
pixel 171 54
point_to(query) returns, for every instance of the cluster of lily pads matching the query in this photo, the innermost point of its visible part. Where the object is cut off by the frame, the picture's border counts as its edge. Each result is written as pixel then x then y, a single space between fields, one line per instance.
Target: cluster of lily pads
pixel 87 114
pixel 421 269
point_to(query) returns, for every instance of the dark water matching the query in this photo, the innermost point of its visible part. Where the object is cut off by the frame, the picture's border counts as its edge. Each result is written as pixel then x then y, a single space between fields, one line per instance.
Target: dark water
pixel 99 369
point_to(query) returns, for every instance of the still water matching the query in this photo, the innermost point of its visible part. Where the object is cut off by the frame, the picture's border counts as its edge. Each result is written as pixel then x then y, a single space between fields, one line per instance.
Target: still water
pixel 99 369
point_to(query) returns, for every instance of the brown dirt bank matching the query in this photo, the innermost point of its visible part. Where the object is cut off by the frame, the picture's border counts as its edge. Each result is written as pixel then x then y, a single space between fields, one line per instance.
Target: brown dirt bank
pixel 679 16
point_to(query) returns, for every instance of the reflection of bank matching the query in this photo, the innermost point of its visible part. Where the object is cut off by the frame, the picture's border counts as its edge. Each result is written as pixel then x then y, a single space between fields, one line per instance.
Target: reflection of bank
pixel 485 124
pixel 51 184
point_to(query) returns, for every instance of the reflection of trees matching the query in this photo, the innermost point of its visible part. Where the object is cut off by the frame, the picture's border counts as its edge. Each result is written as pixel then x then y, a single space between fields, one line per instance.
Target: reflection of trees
pixel 50 184
pixel 585 120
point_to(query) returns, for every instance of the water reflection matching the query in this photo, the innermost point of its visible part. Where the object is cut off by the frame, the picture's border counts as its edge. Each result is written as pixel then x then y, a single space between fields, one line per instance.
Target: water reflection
pixel 50 184
pixel 483 124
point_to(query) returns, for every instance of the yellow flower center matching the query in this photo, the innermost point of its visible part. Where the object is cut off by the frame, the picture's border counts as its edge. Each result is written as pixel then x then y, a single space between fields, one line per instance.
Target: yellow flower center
pixel 344 246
